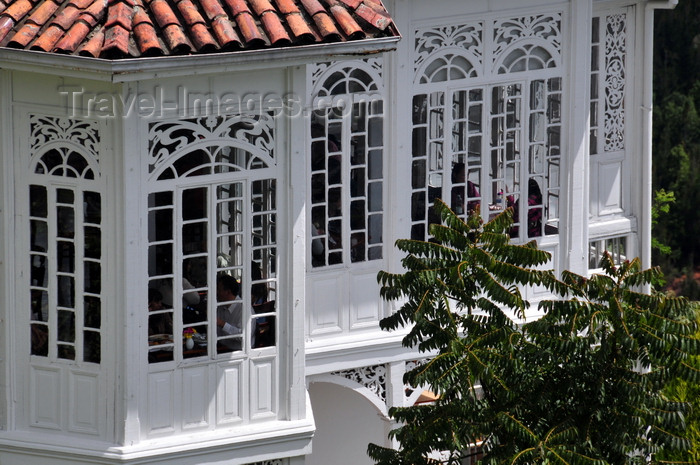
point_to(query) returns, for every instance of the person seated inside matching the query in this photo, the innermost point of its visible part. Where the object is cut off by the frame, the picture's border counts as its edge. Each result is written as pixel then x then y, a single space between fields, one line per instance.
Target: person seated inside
pixel 534 211
pixel 158 323
pixel 229 314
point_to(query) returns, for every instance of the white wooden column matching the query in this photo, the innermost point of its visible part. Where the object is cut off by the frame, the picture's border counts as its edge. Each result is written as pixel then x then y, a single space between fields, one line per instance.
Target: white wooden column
pixel 130 300
pixel 577 144
pixel 292 314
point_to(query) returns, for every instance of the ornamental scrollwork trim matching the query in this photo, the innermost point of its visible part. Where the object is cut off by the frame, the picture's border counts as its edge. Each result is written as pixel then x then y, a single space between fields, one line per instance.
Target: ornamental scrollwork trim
pixel 318 71
pixel 168 138
pixel 545 29
pixel 467 38
pixel 371 377
pixel 56 129
pixel 615 63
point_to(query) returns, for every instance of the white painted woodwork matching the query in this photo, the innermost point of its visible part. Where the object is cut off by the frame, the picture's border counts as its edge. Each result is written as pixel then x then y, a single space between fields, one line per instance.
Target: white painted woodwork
pixel 578 133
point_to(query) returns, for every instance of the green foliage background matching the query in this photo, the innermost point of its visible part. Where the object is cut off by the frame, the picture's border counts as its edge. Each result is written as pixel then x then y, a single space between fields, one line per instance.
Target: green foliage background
pixel 676 138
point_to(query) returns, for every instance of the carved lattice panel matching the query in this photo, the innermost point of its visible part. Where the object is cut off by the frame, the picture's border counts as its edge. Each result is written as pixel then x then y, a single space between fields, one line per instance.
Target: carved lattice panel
pixel 216 139
pixel 372 377
pixel 615 56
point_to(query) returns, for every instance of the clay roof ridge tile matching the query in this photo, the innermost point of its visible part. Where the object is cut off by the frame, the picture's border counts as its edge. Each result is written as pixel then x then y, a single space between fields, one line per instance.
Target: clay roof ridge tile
pixel 120 14
pixel 116 41
pixel 3 5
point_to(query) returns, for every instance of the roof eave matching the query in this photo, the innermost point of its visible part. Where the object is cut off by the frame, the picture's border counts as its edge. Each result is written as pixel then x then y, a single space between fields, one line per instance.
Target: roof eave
pixel 134 69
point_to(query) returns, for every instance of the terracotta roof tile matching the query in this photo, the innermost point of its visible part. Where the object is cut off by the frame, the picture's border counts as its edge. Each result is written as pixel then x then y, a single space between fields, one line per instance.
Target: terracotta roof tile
pixel 346 22
pixel 18 9
pixel 116 29
pixel 93 47
pixel 72 39
pixel 48 38
pixel 6 25
pixel 225 34
pixel 145 34
pixel 94 13
pixel 25 35
pixel 67 17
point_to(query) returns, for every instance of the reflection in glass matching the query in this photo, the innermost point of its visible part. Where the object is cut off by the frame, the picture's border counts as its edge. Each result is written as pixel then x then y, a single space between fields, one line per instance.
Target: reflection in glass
pixel 38 201
pixel 66 291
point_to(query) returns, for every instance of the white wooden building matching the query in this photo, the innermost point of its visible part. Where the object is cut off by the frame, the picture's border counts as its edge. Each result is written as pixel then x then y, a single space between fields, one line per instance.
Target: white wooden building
pixel 153 146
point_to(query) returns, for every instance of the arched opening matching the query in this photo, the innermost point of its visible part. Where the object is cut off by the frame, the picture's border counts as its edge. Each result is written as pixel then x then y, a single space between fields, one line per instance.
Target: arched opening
pixel 346 422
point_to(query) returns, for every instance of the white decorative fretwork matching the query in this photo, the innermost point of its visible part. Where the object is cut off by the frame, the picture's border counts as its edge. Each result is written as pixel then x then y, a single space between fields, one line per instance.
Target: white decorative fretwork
pixel 253 133
pixel 317 71
pixel 526 43
pixel 615 52
pixel 457 49
pixel 45 129
pixel 65 146
pixel 372 377
pixel 271 462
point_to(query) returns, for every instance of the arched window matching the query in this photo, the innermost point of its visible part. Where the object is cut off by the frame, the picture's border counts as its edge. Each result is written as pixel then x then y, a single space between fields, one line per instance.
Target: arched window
pixel 487 147
pixel 65 231
pixel 212 255
pixel 347 159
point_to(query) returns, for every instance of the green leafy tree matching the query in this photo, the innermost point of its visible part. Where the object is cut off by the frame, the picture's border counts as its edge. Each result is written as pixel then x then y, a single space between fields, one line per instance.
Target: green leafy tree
pixel 580 385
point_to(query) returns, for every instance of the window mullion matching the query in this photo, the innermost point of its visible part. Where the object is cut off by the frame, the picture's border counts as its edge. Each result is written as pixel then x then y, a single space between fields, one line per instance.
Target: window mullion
pixel 51 217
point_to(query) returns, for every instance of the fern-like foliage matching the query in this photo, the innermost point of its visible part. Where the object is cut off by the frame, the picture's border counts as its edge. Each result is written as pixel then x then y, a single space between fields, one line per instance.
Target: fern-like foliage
pixel 581 385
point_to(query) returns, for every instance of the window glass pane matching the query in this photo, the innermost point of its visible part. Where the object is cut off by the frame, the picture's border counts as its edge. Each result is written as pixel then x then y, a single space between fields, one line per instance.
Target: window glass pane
pixel 92 312
pixel 91 346
pixel 92 207
pixel 93 277
pixel 39 339
pixel 38 201
pixel 39 235
pixel 66 291
pixel 93 242
pixel 65 222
